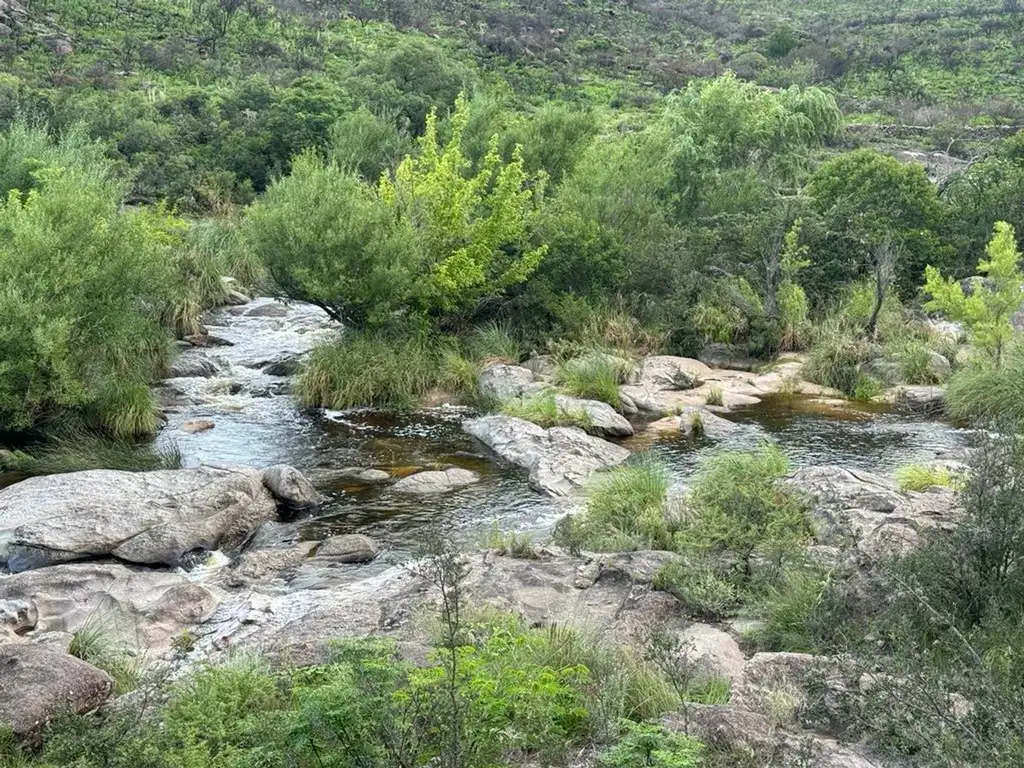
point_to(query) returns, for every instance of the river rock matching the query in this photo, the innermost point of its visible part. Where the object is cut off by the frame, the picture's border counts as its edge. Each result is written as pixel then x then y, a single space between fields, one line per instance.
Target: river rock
pixel 193 365
pixel 731 356
pixel 504 382
pixel 715 651
pixel 928 401
pixel 290 487
pixel 285 365
pixel 351 548
pixel 195 426
pixel 559 459
pixel 37 683
pixel 699 422
pixel 140 607
pixel 664 372
pixel 369 476
pixel 730 728
pixel 442 481
pixel 604 420
pixel 142 517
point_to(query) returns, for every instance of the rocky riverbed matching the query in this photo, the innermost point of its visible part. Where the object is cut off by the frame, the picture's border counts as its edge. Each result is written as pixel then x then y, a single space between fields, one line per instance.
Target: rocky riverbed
pixel 287 529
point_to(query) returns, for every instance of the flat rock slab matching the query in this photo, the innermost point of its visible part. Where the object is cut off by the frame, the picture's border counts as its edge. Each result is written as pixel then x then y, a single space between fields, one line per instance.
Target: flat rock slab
pixel 150 518
pixel 559 460
pixel 137 606
pixel 300 626
pixel 442 481
pixel 38 683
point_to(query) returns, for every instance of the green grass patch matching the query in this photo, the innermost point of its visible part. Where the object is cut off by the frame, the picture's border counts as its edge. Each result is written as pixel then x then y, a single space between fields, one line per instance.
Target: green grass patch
pixel 982 394
pixel 495 341
pixel 920 477
pixel 595 377
pixel 544 411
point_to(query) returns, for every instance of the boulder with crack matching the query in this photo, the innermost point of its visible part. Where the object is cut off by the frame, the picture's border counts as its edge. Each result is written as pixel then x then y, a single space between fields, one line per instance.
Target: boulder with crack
pixel 150 518
pixel 559 459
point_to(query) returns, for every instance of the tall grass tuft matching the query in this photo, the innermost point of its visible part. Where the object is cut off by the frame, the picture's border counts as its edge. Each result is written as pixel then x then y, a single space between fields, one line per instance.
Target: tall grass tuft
pixel 595 377
pixel 987 395
pixel 920 477
pixel 94 643
pixel 368 369
pixel 495 341
pixel 544 411
pixel 75 450
pixel 626 509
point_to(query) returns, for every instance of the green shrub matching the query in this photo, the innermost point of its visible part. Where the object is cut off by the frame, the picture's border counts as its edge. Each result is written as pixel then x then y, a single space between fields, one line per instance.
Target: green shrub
pixel 793 611
pixel 835 361
pixel 84 284
pixel 595 377
pixel 703 591
pixel 626 509
pixel 738 507
pixel 644 744
pixel 920 477
pixel 914 359
pixel 544 410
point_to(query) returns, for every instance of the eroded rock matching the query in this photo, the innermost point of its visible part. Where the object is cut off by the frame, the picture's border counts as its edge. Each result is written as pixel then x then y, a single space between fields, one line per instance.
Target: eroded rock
pixel 142 607
pixel 290 487
pixel 504 382
pixel 142 517
pixel 350 548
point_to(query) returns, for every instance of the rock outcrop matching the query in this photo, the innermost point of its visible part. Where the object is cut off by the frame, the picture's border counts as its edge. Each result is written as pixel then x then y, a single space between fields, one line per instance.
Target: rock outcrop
pixel 140 607
pixel 504 382
pixel 141 517
pixel 37 683
pixel 559 459
pixel 868 508
pixel 601 419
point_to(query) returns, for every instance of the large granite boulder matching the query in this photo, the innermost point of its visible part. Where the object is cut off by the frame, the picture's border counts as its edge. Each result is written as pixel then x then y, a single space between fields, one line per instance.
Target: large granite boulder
pixel 150 518
pixel 559 459
pixel 38 683
pixel 139 607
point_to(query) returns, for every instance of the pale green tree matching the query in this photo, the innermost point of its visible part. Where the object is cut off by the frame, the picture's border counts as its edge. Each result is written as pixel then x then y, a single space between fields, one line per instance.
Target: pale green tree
pixel 990 307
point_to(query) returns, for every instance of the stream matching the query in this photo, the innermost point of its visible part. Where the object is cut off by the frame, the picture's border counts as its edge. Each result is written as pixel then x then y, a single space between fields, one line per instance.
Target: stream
pixel 258 423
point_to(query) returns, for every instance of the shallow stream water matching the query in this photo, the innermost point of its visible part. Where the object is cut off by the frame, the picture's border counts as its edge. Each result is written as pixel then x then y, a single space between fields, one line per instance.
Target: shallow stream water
pixel 258 423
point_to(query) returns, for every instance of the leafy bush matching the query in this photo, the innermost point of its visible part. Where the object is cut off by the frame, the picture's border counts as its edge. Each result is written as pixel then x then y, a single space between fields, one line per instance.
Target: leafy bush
pixel 704 592
pixel 738 507
pixel 545 411
pixel 651 745
pixel 835 361
pixel 84 286
pixel 987 311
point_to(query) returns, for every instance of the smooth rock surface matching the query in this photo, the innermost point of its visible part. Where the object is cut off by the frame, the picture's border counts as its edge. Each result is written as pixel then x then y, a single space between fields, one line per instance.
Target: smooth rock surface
pixel 142 517
pixel 290 487
pixel 441 481
pixel 142 607
pixel 195 365
pixel 559 459
pixel 37 683
pixel 350 548
pixel 715 651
